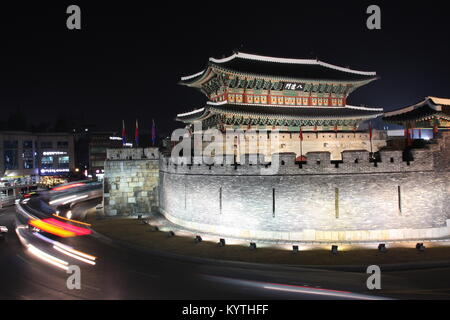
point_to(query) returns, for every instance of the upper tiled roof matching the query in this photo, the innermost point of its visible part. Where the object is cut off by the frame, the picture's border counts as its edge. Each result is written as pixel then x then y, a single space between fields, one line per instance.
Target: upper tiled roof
pixel 301 69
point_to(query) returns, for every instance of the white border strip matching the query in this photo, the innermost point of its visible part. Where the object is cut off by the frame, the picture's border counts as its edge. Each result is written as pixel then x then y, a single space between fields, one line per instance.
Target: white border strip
pixel 190 113
pixel 192 76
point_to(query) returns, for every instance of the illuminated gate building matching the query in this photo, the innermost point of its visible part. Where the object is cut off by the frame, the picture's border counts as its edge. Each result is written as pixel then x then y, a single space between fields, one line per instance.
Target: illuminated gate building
pixel 303 102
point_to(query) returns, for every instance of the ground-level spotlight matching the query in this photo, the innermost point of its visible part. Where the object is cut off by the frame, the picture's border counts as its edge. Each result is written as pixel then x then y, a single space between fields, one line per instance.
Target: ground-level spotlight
pixel 382 247
pixel 252 246
pixel 222 242
pixel 294 249
pixel 334 249
pixel 420 247
pixel 171 234
pixel 198 239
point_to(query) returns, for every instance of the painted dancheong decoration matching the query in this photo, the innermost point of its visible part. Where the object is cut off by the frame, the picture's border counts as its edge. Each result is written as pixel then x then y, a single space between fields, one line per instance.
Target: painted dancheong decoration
pixel 291 96
pixel 246 89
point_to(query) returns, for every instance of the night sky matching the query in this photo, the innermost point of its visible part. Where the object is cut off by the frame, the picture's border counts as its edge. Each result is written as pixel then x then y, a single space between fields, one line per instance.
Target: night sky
pixel 127 59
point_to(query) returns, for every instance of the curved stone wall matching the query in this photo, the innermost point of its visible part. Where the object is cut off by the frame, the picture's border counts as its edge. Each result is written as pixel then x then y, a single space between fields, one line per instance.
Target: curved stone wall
pixel 356 200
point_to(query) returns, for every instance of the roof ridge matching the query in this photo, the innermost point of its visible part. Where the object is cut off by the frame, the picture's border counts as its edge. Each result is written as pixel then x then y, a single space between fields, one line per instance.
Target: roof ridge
pixel 192 75
pixel 249 56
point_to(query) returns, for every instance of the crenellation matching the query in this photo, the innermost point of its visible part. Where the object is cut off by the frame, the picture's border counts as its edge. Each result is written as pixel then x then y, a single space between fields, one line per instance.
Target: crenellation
pixel 316 163
pixel 370 193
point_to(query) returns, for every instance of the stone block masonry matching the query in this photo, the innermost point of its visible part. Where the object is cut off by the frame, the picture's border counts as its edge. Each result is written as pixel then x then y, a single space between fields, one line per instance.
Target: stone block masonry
pixel 354 199
pixel 130 181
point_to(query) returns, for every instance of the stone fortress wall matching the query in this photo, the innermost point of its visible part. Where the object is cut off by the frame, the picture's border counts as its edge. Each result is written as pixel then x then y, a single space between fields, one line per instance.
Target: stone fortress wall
pixel 285 142
pixel 131 181
pixel 354 200
pixel 321 200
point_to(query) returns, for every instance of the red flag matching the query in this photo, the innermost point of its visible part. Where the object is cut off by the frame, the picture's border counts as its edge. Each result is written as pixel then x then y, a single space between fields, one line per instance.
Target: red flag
pixel 435 130
pixel 301 134
pixel 136 134
pixel 154 132
pixel 370 131
pixel 124 135
pixel 409 137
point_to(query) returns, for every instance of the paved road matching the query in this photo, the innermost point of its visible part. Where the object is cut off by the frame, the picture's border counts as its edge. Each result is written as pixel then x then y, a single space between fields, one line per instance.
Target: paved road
pixel 122 273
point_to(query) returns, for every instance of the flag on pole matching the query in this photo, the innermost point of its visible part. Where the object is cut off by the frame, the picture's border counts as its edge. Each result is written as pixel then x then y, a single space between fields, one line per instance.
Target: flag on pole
pixel 370 131
pixel 408 137
pixel 136 134
pixel 435 129
pixel 301 134
pixel 124 135
pixel 153 132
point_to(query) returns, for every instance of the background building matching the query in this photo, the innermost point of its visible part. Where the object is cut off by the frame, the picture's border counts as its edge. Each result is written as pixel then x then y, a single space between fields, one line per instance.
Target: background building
pixel 26 156
pixel 98 143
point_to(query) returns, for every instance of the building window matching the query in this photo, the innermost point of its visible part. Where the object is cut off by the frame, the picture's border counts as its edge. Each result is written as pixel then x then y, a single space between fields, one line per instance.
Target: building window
pixel 28 144
pixel 28 157
pixel 10 158
pixel 28 164
pixel 63 162
pixel 47 162
pixel 62 144
pixel 8 144
pixel 46 144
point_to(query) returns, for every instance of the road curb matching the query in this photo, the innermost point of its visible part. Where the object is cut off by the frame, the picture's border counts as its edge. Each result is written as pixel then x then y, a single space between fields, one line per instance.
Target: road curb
pixel 253 265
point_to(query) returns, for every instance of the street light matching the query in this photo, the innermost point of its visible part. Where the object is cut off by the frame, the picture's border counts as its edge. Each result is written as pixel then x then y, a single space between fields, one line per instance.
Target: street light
pixel 420 247
pixel 382 247
pixel 334 249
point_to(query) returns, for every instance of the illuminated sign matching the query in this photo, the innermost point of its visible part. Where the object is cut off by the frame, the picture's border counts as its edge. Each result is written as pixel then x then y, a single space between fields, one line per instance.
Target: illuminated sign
pixel 50 171
pixel 115 138
pixel 53 153
pixel 293 86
